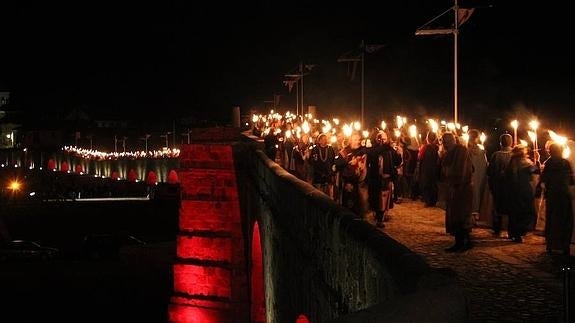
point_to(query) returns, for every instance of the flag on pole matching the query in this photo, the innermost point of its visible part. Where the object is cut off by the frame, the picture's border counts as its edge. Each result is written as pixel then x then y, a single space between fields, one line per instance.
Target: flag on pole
pixel 351 58
pixel 351 68
pixel 289 84
pixel 463 15
pixel 373 48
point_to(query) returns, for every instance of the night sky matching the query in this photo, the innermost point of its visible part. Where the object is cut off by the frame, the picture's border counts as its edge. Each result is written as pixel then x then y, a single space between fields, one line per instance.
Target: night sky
pixel 184 59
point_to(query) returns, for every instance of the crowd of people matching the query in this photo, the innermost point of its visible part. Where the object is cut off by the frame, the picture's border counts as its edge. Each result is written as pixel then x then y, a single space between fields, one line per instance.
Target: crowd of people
pixel 368 172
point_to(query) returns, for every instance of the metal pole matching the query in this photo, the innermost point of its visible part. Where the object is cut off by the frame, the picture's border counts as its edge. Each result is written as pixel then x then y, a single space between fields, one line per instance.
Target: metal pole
pixel 455 34
pixel 297 98
pixel 566 290
pixel 301 73
pixel 362 81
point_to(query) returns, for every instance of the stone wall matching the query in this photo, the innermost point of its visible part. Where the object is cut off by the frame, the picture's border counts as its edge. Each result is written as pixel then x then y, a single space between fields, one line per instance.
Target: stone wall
pixel 322 262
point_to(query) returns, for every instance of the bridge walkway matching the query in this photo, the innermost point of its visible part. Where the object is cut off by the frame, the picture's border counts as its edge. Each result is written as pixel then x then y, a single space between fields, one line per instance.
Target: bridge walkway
pixel 505 281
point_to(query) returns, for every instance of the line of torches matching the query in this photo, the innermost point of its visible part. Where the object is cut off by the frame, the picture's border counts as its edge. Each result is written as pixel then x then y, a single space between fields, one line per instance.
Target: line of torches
pixel 306 123
pixel 534 125
pixel 101 155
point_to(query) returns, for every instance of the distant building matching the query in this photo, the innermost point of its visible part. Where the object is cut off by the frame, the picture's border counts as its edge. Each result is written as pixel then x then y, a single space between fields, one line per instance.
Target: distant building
pixel 4 98
pixel 9 125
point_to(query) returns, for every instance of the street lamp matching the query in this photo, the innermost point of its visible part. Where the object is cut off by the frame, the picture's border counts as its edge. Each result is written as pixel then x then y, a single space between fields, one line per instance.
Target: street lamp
pixel 90 137
pixel 145 138
pixel 166 136
pixel 124 143
pixel 187 134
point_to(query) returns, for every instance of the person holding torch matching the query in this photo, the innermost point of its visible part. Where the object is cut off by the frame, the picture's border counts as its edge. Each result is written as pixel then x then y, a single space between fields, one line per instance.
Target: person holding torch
pixel 456 172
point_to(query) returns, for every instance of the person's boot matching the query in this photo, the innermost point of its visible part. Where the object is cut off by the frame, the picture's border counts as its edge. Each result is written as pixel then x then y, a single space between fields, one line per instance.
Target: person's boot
pixel 379 219
pixel 467 244
pixel 458 243
pixel 497 221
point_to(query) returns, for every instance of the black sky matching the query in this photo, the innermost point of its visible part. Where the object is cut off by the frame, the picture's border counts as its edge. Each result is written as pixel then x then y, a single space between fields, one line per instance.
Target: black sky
pixel 187 59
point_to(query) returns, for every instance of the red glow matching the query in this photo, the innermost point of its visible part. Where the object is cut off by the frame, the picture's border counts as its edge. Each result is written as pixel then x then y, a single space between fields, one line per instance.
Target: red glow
pixel 132 176
pixel 301 319
pixel 205 248
pixel 173 177
pixel 258 305
pixel 65 167
pixel 152 179
pixel 202 280
pixel 207 283
pixel 79 169
pixel 115 175
pixel 192 314
pixel 51 164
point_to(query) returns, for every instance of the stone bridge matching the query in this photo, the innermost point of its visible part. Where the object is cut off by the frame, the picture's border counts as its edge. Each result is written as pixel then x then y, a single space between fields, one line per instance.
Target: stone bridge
pixel 256 244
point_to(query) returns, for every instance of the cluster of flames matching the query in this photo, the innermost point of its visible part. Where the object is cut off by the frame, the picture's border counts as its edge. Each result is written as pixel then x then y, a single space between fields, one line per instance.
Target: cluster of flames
pixel 312 127
pixel 100 155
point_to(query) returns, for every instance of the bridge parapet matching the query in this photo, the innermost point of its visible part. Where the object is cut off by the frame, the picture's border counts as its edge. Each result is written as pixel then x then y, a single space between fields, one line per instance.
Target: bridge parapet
pixel 324 262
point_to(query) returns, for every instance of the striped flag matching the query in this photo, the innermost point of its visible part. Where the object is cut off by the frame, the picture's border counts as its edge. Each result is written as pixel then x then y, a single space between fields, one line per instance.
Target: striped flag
pixel 463 15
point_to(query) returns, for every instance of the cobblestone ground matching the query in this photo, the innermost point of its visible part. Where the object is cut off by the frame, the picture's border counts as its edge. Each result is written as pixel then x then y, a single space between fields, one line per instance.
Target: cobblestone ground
pixel 505 281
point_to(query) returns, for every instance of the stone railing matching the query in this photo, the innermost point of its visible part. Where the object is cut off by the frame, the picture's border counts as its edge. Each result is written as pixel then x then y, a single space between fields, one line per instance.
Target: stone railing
pixel 323 262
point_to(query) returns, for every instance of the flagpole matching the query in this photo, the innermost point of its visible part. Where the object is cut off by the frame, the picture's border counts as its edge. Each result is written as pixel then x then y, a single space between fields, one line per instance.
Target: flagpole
pixel 455 31
pixel 297 98
pixel 301 73
pixel 455 64
pixel 362 81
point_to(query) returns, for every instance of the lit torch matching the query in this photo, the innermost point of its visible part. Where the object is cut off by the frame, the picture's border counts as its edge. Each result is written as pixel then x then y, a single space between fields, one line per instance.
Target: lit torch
pixel 534 124
pixel 514 124
pixel 482 138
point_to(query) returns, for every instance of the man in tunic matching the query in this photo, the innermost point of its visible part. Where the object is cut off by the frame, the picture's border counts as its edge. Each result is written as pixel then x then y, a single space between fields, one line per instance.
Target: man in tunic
pixel 556 178
pixel 456 172
pixel 496 181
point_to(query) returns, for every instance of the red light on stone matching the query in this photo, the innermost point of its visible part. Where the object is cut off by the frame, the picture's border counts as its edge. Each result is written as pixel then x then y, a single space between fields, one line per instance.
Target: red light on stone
pixel 192 314
pixel 206 276
pixel 301 319
pixel 202 280
pixel 65 167
pixel 152 179
pixel 258 307
pixel 173 177
pixel 51 164
pixel 79 169
pixel 205 248
pixel 132 176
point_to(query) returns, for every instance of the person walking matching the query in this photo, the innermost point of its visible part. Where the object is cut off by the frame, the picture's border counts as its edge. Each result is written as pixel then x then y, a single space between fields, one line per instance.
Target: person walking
pixel 556 178
pixel 382 163
pixel 322 160
pixel 496 181
pixel 351 162
pixel 479 177
pixel 519 175
pixel 429 169
pixel 456 172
